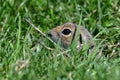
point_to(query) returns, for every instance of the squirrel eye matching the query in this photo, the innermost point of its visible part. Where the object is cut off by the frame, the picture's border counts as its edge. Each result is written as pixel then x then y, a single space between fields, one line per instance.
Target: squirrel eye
pixel 66 31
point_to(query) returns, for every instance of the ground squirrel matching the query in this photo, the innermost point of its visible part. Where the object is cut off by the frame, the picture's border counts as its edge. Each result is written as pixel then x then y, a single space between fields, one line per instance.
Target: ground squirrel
pixel 66 33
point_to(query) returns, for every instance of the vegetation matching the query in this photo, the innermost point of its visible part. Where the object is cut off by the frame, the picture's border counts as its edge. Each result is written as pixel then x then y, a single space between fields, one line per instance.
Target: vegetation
pixel 21 44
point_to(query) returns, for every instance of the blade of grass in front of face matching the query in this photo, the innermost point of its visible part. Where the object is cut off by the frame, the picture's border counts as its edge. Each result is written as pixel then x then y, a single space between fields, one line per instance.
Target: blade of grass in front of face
pixel 76 38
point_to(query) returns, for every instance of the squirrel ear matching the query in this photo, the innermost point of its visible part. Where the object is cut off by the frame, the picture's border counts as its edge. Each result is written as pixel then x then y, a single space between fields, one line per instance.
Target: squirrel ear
pixel 79 46
pixel 80 39
pixel 86 37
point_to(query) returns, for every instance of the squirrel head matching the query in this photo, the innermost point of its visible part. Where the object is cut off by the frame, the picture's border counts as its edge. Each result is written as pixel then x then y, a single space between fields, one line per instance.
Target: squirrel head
pixel 66 34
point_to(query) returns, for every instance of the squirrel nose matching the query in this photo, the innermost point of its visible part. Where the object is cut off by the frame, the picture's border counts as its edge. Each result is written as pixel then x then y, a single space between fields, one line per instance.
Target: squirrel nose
pixel 49 34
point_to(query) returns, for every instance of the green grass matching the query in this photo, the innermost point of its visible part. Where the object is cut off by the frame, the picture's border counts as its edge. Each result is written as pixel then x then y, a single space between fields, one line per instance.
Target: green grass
pixel 20 41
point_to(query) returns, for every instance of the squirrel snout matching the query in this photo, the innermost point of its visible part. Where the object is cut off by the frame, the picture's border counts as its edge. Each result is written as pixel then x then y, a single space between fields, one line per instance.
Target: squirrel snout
pixel 53 36
pixel 49 34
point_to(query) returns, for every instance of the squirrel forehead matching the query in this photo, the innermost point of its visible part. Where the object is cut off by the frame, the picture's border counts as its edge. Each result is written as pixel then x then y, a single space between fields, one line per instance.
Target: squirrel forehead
pixel 65 26
pixel 69 26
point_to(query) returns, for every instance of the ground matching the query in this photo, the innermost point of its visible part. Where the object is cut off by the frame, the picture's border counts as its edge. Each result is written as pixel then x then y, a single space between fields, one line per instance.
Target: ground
pixel 23 49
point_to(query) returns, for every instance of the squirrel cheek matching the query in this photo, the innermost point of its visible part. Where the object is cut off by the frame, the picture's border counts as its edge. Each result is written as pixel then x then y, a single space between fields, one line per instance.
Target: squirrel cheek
pixel 66 41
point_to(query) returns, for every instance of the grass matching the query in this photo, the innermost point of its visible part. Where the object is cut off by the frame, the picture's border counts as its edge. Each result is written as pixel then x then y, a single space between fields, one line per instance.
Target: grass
pixel 19 41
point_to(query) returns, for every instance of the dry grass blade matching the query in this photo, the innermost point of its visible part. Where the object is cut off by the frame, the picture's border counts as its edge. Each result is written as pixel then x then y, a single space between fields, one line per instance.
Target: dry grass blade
pixel 66 53
pixel 40 31
pixel 20 64
pixel 51 49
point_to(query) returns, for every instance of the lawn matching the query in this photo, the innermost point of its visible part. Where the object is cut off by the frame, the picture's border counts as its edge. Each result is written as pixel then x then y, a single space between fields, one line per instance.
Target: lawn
pixel 25 52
